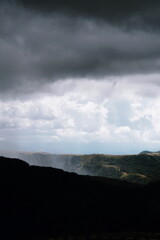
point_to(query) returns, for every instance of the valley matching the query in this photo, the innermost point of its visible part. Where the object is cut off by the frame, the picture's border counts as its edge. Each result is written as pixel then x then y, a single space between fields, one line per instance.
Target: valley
pixel 141 168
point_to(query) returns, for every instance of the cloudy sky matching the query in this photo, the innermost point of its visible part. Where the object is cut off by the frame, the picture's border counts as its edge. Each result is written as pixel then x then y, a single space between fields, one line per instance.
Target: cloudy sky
pixel 80 76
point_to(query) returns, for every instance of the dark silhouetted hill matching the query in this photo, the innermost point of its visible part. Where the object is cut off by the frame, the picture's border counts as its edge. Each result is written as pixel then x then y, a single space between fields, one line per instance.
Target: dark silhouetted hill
pixel 45 202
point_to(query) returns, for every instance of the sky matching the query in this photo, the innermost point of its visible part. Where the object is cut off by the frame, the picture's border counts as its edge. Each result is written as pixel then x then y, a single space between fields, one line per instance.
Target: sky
pixel 80 76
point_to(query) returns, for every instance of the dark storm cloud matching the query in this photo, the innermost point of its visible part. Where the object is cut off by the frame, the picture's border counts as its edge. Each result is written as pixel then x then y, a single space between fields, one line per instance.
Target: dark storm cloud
pixel 36 48
pixel 133 13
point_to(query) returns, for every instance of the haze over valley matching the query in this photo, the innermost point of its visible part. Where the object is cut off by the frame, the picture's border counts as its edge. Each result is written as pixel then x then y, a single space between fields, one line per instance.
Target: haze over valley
pixel 141 168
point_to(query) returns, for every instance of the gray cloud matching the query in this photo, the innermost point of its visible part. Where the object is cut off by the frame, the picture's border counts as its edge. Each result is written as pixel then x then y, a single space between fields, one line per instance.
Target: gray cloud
pixel 144 13
pixel 37 49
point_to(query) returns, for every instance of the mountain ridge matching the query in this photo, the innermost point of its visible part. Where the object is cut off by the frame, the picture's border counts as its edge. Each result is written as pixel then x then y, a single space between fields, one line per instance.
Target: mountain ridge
pixel 140 168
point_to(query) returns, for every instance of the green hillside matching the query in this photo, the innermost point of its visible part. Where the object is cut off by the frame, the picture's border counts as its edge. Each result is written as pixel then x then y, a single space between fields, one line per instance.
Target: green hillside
pixel 140 168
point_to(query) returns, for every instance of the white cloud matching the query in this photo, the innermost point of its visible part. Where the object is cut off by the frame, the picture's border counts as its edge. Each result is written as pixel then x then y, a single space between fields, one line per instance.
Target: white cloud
pixel 103 112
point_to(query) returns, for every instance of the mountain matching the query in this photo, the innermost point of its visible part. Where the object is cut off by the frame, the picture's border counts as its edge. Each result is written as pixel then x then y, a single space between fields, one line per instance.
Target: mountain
pixel 145 152
pixel 42 202
pixel 149 152
pixel 141 168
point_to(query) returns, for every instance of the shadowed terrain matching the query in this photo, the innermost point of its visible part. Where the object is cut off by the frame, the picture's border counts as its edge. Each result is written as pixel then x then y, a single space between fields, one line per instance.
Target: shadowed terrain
pixel 47 202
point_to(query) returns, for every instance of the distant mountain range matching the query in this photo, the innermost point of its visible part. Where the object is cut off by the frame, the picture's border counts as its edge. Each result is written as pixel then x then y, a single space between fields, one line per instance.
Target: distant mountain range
pixel 43 203
pixel 141 168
